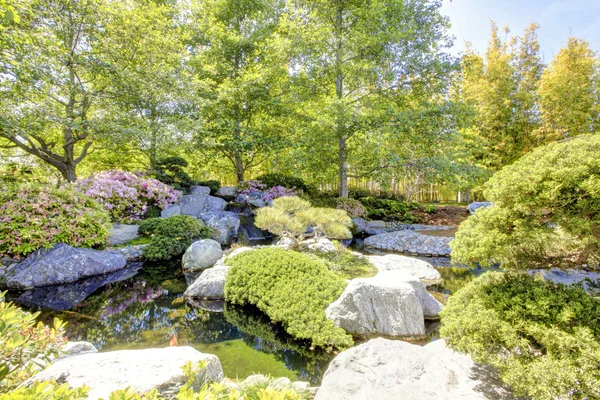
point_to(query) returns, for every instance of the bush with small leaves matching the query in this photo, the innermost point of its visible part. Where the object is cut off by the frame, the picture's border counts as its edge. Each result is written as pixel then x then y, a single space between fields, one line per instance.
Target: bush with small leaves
pixel 389 209
pixel 543 338
pixel 171 236
pixel 212 184
pixel 293 217
pixel 429 208
pixel 287 181
pixel 353 207
pixel 292 288
pixel 170 170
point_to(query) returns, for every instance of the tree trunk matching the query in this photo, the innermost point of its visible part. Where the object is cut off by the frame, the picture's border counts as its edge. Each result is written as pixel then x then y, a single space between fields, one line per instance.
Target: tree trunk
pixel 239 168
pixel 343 167
pixel 339 89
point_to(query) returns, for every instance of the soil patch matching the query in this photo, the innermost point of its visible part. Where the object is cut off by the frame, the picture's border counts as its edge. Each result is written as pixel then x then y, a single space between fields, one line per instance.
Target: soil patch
pixel 443 215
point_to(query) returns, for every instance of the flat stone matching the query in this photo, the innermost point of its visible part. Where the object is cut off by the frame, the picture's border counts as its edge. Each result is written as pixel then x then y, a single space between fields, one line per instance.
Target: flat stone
pixel 419 268
pixel 141 370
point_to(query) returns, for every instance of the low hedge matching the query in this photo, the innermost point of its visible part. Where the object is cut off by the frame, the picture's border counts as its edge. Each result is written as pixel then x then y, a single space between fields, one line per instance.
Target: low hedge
pixel 291 288
pixel 389 209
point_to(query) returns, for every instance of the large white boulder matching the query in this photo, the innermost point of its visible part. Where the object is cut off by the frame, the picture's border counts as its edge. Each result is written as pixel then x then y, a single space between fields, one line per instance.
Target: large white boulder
pixel 210 284
pixel 383 369
pixel 393 303
pixel 201 255
pixel 141 370
pixel 419 268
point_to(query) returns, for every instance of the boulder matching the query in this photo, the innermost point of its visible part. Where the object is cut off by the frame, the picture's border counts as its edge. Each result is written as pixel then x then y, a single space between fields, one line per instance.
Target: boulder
pixel 192 204
pixel 76 348
pixel 227 192
pixel 477 205
pixel 239 250
pixel 210 284
pixel 257 203
pixel 322 245
pixel 215 204
pixel 122 233
pixel 360 226
pixel 201 255
pixel 408 241
pixel 207 304
pixel 383 369
pixel 376 227
pixel 201 190
pixel 419 268
pixel 286 243
pixel 171 211
pixel 225 225
pixel 62 264
pixel 393 303
pixel 141 370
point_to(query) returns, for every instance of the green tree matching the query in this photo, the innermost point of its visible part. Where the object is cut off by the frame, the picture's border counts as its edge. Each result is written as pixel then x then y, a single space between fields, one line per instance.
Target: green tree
pixel 569 93
pixel 351 58
pixel 240 70
pixel 545 213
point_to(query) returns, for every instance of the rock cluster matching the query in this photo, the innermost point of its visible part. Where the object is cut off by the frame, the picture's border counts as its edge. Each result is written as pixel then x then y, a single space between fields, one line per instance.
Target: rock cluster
pixel 411 242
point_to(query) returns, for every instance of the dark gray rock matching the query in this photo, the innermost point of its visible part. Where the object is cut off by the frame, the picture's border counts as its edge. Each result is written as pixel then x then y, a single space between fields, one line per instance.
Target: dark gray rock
pixel 227 192
pixel 62 264
pixel 202 190
pixel 376 227
pixel 215 204
pixel 192 204
pixel 225 225
pixel 360 226
pixel 477 205
pixel 122 233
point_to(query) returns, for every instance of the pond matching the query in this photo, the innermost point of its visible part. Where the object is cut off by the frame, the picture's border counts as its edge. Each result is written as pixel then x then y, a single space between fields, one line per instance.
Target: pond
pixel 143 307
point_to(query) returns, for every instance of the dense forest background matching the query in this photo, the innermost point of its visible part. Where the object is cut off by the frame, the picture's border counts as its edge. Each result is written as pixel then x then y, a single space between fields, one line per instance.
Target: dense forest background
pixel 341 93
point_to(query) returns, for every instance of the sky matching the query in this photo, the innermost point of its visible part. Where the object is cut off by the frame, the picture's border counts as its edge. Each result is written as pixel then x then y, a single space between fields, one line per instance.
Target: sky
pixel 558 19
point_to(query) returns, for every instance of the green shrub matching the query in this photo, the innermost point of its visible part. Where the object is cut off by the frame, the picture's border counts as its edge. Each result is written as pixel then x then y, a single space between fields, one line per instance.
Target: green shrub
pixel 212 184
pixel 389 209
pixel 429 208
pixel 49 390
pixel 292 288
pixel 292 216
pixel 353 207
pixel 543 338
pixel 34 217
pixel 546 210
pixel 287 181
pixel 346 264
pixel 171 236
pixel 171 171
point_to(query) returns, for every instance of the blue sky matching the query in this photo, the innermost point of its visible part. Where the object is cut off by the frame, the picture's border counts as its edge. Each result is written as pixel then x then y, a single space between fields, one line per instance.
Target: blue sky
pixel 557 19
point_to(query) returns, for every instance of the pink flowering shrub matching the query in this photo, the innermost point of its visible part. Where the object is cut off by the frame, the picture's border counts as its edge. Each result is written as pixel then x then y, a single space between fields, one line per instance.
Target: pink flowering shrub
pixel 34 217
pixel 354 208
pixel 127 196
pixel 253 186
pixel 257 188
pixel 276 192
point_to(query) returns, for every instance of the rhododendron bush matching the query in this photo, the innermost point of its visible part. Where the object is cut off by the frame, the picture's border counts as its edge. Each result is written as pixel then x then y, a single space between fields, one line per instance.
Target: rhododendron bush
pixel 256 188
pixel 34 217
pixel 127 196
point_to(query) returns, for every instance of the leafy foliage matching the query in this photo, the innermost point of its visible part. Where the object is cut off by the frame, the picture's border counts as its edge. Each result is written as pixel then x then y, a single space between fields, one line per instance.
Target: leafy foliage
pixel 212 184
pixel 171 236
pixel 35 216
pixel 171 171
pixel 48 390
pixel 354 208
pixel 292 217
pixel 127 196
pixel 544 338
pixel 291 288
pixel 287 181
pixel 389 209
pixel 546 212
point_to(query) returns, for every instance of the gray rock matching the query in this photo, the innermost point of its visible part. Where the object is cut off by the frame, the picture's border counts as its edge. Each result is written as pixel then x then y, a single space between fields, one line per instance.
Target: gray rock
pixel 227 192
pixel 215 204
pixel 477 205
pixel 393 303
pixel 210 284
pixel 408 241
pixel 224 223
pixel 383 369
pixel 322 245
pixel 567 277
pixel 76 348
pixel 171 211
pixel 360 226
pixel 419 268
pixel 202 190
pixel 62 264
pixel 201 255
pixel 258 203
pixel 376 227
pixel 141 370
pixel 286 243
pixel 123 233
pixel 209 305
pixel 239 250
pixel 192 204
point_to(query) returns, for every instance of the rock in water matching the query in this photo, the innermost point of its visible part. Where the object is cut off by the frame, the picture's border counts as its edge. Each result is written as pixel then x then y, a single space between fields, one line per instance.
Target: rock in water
pixel 225 225
pixel 62 264
pixel 123 233
pixel 477 205
pixel 201 255
pixel 393 303
pixel 141 370
pixel 419 268
pixel 210 284
pixel 383 369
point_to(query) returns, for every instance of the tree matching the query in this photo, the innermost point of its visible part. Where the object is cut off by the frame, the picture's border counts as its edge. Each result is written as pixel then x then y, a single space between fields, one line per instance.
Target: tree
pixel 569 93
pixel 240 71
pixel 546 211
pixel 351 58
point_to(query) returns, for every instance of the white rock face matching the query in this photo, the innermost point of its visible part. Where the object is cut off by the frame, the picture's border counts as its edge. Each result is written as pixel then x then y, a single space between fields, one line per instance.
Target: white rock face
pixel 383 369
pixel 76 348
pixel 210 284
pixel 142 370
pixel 322 245
pixel 393 303
pixel 419 268
pixel 201 254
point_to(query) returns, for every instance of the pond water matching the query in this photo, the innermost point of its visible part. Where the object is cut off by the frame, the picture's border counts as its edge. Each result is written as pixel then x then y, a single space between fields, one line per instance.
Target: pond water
pixel 144 307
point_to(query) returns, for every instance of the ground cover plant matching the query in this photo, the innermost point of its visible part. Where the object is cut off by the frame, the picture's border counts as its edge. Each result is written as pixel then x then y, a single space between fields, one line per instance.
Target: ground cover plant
pixel 38 216
pixel 389 209
pixel 543 338
pixel 292 288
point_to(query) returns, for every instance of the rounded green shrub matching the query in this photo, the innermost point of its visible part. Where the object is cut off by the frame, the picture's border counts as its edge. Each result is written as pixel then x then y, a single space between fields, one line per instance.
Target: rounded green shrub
pixel 546 210
pixel 170 170
pixel 543 338
pixel 287 181
pixel 35 216
pixel 171 236
pixel 389 209
pixel 292 288
pixel 212 184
